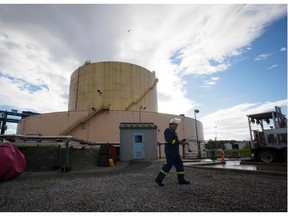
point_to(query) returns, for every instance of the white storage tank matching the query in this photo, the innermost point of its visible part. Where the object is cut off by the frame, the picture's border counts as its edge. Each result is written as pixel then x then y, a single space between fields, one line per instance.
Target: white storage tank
pixel 123 86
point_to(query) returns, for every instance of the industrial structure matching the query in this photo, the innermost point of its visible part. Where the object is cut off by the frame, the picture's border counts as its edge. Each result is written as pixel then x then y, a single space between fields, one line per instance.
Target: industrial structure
pixel 12 117
pixel 102 96
pixel 268 133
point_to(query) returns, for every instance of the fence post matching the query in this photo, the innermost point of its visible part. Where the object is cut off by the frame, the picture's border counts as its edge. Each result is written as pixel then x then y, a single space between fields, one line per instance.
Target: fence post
pixel 159 144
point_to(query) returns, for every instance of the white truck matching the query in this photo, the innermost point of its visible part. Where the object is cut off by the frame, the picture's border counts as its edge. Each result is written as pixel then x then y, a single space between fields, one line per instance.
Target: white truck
pixel 268 133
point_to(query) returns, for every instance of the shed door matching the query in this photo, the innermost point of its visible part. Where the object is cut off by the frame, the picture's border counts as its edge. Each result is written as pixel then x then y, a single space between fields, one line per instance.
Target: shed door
pixel 138 146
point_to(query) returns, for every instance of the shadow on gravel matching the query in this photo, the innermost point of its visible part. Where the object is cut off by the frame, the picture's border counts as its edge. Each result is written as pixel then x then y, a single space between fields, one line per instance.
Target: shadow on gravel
pixel 132 166
pixel 137 165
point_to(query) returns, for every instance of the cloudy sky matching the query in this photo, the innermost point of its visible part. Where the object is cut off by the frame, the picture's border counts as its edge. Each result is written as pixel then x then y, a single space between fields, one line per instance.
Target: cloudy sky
pixel 225 60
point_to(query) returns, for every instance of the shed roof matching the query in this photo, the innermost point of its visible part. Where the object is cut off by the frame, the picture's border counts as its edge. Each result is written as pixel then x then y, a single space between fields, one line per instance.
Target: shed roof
pixel 141 125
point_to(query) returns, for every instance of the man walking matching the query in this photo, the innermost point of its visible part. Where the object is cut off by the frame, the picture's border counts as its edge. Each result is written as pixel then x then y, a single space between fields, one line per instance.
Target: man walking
pixel 172 154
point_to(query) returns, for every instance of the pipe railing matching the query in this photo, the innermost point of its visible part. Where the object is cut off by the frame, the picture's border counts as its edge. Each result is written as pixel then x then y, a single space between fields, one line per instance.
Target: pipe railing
pixel 162 144
pixel 66 140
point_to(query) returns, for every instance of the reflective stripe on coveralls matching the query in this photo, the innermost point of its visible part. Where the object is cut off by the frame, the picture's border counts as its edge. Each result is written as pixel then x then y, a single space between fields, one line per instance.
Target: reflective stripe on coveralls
pixel 178 173
pixel 162 171
pixel 173 142
pixel 172 156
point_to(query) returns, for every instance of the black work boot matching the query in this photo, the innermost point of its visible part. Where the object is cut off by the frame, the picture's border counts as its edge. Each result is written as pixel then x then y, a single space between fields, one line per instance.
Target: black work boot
pixel 159 182
pixel 184 182
pixel 160 178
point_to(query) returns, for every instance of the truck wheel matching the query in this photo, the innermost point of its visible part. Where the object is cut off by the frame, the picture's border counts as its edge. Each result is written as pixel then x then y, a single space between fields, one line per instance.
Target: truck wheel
pixel 285 156
pixel 267 156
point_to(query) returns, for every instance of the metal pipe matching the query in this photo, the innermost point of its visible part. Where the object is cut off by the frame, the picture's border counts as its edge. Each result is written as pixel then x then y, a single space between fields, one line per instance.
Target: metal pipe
pixel 198 143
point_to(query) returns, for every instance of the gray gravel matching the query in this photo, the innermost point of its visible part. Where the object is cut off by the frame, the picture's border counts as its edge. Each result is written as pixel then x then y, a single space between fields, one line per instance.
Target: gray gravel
pixel 133 189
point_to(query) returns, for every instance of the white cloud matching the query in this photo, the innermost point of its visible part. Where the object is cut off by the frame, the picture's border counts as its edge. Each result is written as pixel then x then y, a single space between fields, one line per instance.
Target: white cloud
pixel 31 75
pixel 273 66
pixel 191 36
pixel 283 49
pixel 41 45
pixel 210 82
pixel 262 57
pixel 232 122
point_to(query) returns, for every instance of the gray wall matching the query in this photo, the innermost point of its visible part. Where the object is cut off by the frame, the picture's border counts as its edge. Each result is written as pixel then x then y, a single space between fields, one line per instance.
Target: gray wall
pixel 149 141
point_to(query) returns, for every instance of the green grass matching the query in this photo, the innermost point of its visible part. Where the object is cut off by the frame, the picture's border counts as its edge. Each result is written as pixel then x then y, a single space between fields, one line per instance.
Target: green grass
pixel 231 153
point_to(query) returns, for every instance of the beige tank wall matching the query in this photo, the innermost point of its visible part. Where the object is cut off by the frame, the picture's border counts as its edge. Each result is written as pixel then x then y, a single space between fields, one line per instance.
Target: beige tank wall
pixel 104 126
pixel 124 86
pixel 49 124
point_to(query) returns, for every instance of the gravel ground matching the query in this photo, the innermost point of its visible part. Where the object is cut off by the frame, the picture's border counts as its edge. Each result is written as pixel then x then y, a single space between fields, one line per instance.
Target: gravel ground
pixel 132 188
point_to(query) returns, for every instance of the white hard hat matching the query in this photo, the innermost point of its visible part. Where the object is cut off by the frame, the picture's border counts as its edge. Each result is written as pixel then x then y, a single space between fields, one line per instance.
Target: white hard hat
pixel 175 121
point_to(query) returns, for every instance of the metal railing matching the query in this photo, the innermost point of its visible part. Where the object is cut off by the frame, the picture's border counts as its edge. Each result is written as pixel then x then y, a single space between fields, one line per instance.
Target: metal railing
pixel 183 149
pixel 161 155
pixel 56 140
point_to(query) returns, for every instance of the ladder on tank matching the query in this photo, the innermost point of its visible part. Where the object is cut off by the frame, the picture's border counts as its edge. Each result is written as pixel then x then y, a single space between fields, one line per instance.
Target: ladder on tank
pixel 142 96
pixel 85 119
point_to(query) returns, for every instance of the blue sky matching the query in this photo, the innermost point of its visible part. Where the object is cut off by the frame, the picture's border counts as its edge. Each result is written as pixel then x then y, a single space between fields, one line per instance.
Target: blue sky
pixel 259 74
pixel 228 61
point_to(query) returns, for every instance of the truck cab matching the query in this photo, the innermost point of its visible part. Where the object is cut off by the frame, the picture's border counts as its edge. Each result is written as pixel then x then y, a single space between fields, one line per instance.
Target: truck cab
pixel 268 133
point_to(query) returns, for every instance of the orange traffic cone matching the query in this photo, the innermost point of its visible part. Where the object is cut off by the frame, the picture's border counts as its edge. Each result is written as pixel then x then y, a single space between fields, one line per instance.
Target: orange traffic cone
pixel 222 159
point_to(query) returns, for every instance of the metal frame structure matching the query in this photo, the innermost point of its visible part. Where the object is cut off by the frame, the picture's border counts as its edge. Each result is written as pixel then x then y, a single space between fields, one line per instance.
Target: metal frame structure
pixel 270 142
pixel 6 117
pixel 57 140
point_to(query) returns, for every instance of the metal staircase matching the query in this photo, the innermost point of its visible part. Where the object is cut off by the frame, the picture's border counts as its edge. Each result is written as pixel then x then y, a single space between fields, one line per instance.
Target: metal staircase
pixel 142 96
pixel 85 119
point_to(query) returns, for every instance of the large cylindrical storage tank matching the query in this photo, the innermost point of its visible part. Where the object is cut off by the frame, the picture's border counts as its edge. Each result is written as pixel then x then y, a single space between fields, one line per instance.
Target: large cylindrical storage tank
pixel 123 86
